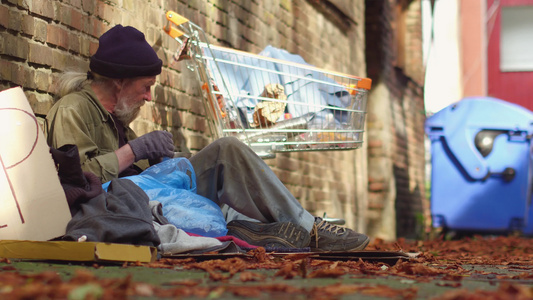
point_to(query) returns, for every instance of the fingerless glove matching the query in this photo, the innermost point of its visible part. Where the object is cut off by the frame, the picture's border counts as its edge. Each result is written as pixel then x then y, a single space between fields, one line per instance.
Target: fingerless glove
pixel 153 145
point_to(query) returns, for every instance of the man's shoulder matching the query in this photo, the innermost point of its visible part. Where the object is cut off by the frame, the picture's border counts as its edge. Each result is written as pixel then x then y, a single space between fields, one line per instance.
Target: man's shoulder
pixel 83 101
pixel 75 99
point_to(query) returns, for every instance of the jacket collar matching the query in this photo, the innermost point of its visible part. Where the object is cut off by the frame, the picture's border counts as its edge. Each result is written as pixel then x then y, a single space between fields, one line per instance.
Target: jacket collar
pixel 104 114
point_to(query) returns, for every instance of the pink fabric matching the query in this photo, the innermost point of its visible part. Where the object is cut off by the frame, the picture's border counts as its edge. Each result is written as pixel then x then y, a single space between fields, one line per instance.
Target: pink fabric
pixel 227 238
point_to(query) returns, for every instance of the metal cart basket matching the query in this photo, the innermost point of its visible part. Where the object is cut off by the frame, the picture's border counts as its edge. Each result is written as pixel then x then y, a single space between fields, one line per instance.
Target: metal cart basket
pixel 274 101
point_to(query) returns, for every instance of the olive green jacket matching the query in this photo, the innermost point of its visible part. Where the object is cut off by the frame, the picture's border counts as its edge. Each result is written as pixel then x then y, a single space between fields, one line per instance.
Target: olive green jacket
pixel 80 119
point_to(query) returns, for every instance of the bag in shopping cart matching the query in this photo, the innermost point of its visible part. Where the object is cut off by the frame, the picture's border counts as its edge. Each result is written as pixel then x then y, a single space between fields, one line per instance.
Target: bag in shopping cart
pixel 305 90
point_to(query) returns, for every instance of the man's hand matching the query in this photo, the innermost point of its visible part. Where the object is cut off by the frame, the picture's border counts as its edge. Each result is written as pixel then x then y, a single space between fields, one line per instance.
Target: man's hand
pixel 153 145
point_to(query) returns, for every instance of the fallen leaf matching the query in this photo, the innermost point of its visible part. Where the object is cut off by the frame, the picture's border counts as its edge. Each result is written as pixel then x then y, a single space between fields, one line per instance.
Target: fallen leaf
pixel 326 273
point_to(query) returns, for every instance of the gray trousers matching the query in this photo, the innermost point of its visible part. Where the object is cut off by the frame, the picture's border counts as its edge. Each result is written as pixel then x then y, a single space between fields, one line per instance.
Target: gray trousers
pixel 230 173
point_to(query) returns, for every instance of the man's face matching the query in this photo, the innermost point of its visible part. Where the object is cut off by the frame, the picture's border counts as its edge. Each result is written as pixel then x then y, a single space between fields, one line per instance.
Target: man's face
pixel 132 96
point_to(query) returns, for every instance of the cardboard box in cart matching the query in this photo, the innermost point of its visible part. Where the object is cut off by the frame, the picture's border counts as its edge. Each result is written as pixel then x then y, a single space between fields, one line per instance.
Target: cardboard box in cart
pixel 32 202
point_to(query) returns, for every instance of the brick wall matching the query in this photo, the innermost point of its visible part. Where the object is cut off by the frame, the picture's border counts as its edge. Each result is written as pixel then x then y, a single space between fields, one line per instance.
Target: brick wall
pixel 41 38
pixel 397 201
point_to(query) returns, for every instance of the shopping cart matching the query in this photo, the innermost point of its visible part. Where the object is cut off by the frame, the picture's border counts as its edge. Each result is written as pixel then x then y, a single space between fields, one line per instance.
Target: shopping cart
pixel 274 101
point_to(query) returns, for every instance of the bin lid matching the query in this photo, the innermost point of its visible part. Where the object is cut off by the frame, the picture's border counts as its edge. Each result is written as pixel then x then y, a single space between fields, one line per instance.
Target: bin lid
pixel 459 122
pixel 482 112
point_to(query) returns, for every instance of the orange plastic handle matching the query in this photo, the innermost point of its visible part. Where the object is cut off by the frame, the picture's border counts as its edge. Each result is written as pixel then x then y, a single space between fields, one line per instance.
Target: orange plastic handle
pixel 173 32
pixel 176 18
pixel 364 83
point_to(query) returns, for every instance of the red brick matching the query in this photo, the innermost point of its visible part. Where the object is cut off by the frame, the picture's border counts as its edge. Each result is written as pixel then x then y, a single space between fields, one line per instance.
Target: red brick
pixel 28 24
pixel 197 142
pixel 74 42
pixel 200 125
pixel 54 78
pixel 40 54
pixel 15 46
pixel 43 8
pixel 42 81
pixel 93 46
pixel 60 60
pixel 17 75
pixel 180 101
pixel 76 19
pixel 86 23
pixel 5 69
pixel 286 163
pixel 194 123
pixel 176 119
pixel 197 107
pixel 97 28
pixel 57 36
pixel 40 30
pixel 375 206
pixel 63 15
pixel 75 3
pixel 29 74
pixel 315 182
pixel 89 6
pixel 40 102
pixel 164 77
pixel 64 60
pixel 283 175
pixel 104 11
pixel 4 16
pixel 375 143
pixel 377 186
pixel 159 94
pixel 15 20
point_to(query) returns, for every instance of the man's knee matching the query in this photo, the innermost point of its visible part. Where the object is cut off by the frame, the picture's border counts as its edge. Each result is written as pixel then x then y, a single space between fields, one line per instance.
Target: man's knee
pixel 229 142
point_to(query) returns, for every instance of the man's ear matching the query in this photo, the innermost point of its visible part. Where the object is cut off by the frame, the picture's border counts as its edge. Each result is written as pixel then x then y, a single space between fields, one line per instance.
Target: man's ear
pixel 118 84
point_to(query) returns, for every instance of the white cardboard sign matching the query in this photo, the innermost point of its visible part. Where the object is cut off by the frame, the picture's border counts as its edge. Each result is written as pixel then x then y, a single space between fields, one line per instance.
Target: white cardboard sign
pixel 33 205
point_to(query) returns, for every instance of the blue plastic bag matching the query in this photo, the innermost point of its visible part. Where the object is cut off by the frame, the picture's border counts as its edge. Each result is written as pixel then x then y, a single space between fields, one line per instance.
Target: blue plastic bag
pixel 173 183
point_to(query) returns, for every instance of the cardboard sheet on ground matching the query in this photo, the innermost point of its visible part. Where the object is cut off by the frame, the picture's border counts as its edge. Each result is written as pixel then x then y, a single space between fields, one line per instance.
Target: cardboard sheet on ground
pixel 388 257
pixel 77 251
pixel 32 202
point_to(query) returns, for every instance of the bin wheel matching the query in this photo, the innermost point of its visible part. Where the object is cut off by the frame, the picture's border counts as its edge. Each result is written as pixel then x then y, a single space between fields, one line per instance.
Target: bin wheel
pixel 446 234
pixel 515 233
pixel 439 233
pixel 451 235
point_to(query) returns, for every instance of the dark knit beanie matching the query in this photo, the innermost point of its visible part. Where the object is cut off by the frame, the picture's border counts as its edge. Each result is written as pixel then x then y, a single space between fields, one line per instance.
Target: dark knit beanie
pixel 123 52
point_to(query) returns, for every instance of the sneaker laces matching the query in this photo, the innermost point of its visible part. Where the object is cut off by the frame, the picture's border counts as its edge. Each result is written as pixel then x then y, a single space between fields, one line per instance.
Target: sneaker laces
pixel 325 226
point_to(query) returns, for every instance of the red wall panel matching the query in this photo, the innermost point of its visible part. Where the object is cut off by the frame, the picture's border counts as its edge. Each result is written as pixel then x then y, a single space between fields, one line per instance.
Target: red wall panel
pixel 515 87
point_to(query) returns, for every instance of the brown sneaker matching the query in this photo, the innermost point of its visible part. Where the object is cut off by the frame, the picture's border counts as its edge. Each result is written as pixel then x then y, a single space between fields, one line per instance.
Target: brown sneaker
pixel 270 235
pixel 329 237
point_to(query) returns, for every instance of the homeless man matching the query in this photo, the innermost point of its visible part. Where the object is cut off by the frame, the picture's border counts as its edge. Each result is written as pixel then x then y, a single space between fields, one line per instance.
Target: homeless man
pixel 94 113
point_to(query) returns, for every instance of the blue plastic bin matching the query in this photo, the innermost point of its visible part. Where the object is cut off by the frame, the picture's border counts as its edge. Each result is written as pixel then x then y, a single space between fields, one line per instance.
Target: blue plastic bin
pixel 481 166
pixel 528 230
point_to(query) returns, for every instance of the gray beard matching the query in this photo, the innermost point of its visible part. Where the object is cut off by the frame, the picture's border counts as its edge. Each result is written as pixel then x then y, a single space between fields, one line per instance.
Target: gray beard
pixel 126 114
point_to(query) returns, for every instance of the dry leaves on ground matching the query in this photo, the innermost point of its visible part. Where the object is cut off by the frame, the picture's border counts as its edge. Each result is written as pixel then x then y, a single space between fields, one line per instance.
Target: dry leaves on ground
pixel 446 263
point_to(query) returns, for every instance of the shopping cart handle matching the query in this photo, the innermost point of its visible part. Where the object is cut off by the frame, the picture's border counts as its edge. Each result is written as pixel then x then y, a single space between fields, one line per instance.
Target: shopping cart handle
pixel 173 32
pixel 176 18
